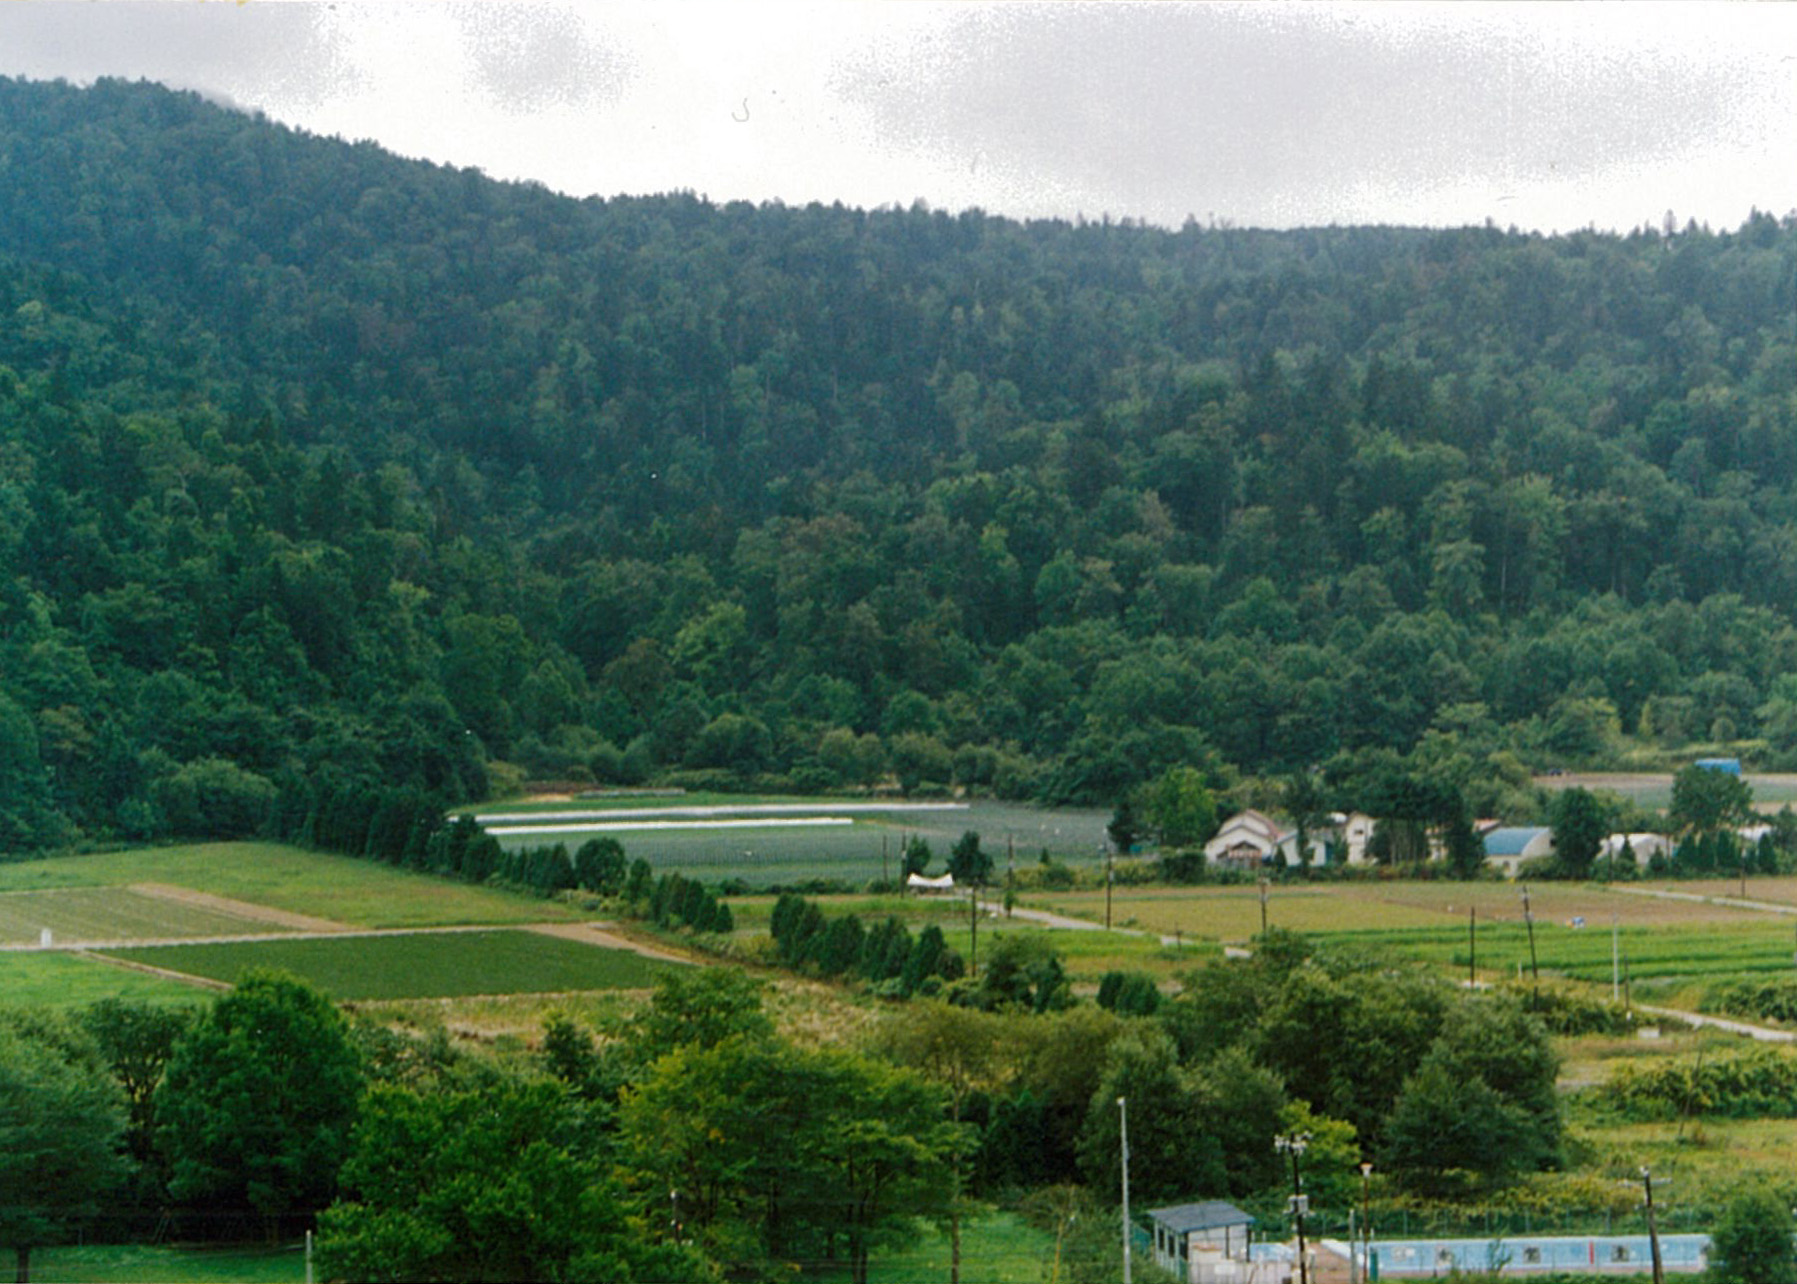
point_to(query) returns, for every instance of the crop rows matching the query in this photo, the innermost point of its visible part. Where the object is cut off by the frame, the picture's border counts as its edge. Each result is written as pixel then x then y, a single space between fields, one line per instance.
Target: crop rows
pixel 112 914
pixel 419 964
pixel 1585 954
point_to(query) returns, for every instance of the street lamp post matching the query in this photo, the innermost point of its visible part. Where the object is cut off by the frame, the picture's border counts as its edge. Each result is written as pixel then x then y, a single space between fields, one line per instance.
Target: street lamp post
pixel 1366 1216
pixel 1123 1132
pixel 1295 1146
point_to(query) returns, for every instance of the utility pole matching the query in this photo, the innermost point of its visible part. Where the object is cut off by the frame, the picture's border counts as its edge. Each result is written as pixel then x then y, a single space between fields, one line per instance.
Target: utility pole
pixel 1472 947
pixel 973 927
pixel 1528 918
pixel 1110 873
pixel 1123 1132
pixel 885 870
pixel 1615 961
pixel 1653 1234
pixel 1294 1146
pixel 1263 904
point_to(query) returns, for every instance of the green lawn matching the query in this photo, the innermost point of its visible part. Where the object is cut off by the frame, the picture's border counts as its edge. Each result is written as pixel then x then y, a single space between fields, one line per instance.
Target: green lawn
pixel 159 1264
pixel 31 978
pixel 999 1248
pixel 358 892
pixel 419 965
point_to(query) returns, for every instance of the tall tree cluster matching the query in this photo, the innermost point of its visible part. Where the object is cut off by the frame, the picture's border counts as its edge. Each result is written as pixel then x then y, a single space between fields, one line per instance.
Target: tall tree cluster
pixel 322 470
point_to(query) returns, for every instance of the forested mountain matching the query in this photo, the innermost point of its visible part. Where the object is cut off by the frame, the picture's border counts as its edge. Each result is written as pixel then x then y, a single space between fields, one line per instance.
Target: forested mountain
pixel 319 464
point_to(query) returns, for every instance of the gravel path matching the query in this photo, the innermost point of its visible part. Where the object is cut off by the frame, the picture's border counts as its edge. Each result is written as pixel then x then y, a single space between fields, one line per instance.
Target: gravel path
pixel 596 933
pixel 1765 1034
pixel 241 909
pixel 1733 902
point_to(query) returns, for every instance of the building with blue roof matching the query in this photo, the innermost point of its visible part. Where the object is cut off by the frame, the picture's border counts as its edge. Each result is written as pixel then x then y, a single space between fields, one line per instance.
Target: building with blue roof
pixel 1508 846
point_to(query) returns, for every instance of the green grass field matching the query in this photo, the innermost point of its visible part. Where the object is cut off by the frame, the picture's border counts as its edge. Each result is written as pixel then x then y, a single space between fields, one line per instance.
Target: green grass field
pixel 159 1264
pixel 861 852
pixel 999 1248
pixel 357 892
pixel 83 914
pixel 32 978
pixel 418 965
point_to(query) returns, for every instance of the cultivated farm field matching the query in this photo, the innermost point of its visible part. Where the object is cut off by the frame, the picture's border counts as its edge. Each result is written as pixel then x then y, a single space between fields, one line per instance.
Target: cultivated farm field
pixel 415 965
pixel 358 930
pixel 110 914
pixel 1693 936
pixel 1771 790
pixel 720 845
pixel 358 893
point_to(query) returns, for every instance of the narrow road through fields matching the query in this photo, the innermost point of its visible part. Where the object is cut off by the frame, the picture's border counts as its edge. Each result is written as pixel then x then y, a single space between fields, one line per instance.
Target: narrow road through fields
pixel 1062 922
pixel 1732 902
pixel 1765 1034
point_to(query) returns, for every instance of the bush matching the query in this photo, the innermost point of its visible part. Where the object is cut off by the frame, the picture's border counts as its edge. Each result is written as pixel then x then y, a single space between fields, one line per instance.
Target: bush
pixel 1749 1084
pixel 1570 1013
pixel 1751 1244
pixel 1762 999
pixel 1183 866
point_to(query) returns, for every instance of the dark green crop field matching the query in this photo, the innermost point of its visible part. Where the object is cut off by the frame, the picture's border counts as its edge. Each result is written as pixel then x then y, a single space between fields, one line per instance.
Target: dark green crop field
pixel 418 965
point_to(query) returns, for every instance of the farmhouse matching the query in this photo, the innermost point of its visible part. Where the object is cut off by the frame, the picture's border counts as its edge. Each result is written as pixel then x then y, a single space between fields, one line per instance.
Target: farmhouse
pixel 1247 840
pixel 1250 839
pixel 1642 847
pixel 1353 831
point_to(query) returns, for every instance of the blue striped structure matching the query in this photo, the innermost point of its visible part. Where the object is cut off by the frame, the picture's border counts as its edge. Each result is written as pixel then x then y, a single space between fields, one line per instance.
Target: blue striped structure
pixel 1538 1255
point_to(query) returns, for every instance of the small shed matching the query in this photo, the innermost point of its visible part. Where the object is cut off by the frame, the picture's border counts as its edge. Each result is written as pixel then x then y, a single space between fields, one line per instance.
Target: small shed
pixel 1190 1240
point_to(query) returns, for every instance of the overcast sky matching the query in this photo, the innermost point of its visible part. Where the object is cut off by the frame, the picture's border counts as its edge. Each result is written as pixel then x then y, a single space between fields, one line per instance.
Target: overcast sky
pixel 1542 115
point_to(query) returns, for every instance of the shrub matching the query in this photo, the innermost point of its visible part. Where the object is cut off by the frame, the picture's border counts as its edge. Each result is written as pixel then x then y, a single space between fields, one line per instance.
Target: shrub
pixel 1752 1083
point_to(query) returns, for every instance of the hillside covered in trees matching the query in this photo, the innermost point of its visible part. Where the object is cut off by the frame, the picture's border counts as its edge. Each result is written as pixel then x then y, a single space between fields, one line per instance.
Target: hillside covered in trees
pixel 320 466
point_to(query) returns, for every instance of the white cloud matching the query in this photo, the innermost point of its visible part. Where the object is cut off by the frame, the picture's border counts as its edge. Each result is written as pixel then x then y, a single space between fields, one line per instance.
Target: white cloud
pixel 1551 115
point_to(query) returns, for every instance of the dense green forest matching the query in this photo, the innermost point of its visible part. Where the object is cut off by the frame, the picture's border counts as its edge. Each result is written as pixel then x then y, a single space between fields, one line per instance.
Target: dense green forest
pixel 319 466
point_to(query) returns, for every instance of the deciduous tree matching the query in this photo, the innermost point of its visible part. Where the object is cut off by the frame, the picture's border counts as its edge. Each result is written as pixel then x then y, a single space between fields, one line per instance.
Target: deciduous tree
pixel 255 1106
pixel 62 1132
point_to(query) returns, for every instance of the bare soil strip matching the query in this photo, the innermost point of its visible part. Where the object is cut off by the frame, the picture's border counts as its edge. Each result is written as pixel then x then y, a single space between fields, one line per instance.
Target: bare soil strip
pixel 168 974
pixel 242 909
pixel 595 934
